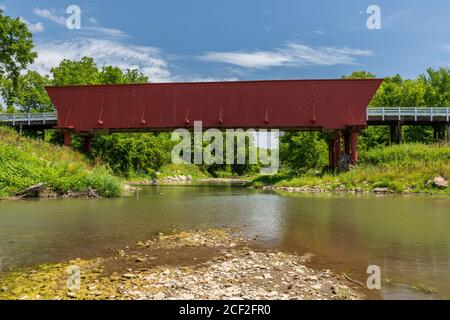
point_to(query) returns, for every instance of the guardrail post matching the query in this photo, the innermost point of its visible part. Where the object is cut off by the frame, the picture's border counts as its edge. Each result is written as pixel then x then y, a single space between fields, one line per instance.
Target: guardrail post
pixel 14 119
pixel 43 115
pixel 431 114
pixel 382 114
pixel 415 114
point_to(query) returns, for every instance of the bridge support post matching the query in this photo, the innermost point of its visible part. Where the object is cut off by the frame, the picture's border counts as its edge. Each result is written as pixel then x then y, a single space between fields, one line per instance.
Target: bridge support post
pixel 67 138
pixel 354 136
pixel 88 144
pixel 439 132
pixel 334 149
pixel 396 133
pixel 447 127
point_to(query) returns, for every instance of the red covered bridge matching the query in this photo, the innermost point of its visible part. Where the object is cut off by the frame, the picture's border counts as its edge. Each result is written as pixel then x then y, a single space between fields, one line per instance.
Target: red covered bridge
pixel 338 107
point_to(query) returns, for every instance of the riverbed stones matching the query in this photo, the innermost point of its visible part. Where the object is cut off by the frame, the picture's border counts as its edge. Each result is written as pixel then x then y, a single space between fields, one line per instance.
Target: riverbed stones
pixel 234 271
pixel 177 179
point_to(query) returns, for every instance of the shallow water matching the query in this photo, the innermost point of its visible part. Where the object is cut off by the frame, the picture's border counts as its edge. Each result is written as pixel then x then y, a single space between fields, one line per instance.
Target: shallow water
pixel 408 237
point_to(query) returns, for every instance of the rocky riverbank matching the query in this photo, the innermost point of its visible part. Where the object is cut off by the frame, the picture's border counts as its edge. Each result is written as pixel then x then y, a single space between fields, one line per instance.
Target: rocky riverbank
pixel 439 184
pixel 188 265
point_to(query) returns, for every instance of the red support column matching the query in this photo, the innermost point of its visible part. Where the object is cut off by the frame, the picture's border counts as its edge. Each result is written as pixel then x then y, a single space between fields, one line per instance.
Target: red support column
pixel 331 153
pixel 335 149
pixel 354 135
pixel 87 144
pixel 67 138
pixel 347 144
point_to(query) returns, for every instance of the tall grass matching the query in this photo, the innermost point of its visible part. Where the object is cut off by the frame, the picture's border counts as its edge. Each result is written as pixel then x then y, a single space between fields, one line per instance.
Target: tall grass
pixel 402 167
pixel 25 162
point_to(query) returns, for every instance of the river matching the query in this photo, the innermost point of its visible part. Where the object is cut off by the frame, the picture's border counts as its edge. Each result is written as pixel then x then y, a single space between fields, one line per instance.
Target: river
pixel 407 237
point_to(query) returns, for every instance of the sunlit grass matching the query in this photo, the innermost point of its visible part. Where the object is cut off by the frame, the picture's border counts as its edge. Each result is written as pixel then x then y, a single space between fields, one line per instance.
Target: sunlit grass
pixel 25 162
pixel 404 167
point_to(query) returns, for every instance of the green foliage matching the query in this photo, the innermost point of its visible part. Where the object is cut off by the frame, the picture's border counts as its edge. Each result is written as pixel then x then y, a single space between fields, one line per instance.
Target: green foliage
pixel 16 50
pixel 399 168
pixel 28 94
pixel 83 72
pixel 407 154
pixel 26 162
pixel 437 92
pixel 133 154
pixel 114 75
pixel 360 75
pixel 303 151
pixel 86 72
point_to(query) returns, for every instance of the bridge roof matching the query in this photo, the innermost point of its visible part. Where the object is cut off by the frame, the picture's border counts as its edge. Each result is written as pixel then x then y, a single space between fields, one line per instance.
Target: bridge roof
pixel 283 104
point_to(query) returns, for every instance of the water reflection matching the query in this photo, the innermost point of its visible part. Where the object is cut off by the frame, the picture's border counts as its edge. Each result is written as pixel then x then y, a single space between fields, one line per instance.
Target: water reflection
pixel 407 237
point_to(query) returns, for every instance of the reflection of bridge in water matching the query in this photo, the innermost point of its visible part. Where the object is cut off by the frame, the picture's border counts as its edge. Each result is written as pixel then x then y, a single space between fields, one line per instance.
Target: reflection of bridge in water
pixel 336 107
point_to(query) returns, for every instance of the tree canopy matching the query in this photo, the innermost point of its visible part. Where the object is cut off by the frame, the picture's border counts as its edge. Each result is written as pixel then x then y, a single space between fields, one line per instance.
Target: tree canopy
pixel 16 47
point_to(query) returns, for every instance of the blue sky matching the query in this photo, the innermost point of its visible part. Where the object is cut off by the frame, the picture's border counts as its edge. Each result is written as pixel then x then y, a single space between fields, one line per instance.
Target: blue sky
pixel 201 40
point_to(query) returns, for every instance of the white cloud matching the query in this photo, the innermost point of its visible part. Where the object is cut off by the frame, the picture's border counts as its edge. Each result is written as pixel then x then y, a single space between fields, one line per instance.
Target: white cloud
pixel 37 27
pixel 292 54
pixel 34 27
pixel 108 32
pixel 105 52
pixel 50 15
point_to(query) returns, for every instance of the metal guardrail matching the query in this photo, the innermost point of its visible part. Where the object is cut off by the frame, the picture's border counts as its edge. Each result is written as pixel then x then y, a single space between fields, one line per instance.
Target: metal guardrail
pixel 28 118
pixel 416 113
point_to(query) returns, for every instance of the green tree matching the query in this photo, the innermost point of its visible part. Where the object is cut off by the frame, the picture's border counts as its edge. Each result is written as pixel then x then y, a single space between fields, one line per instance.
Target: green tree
pixel 16 54
pixel 134 154
pixel 437 92
pixel 29 94
pixel 360 75
pixel 16 47
pixel 302 151
pixel 134 76
pixel 114 75
pixel 82 72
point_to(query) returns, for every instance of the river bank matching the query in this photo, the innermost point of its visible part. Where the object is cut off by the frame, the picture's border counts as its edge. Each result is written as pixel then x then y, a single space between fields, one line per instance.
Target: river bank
pixel 32 168
pixel 404 169
pixel 187 265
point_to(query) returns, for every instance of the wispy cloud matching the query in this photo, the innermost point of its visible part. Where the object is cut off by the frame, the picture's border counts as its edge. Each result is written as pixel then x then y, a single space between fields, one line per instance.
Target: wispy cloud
pixel 292 55
pixel 92 28
pixel 107 32
pixel 105 52
pixel 50 15
pixel 34 27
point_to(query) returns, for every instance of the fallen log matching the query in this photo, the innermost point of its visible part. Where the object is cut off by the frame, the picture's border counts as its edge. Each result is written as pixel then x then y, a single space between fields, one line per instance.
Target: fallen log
pixel 31 192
